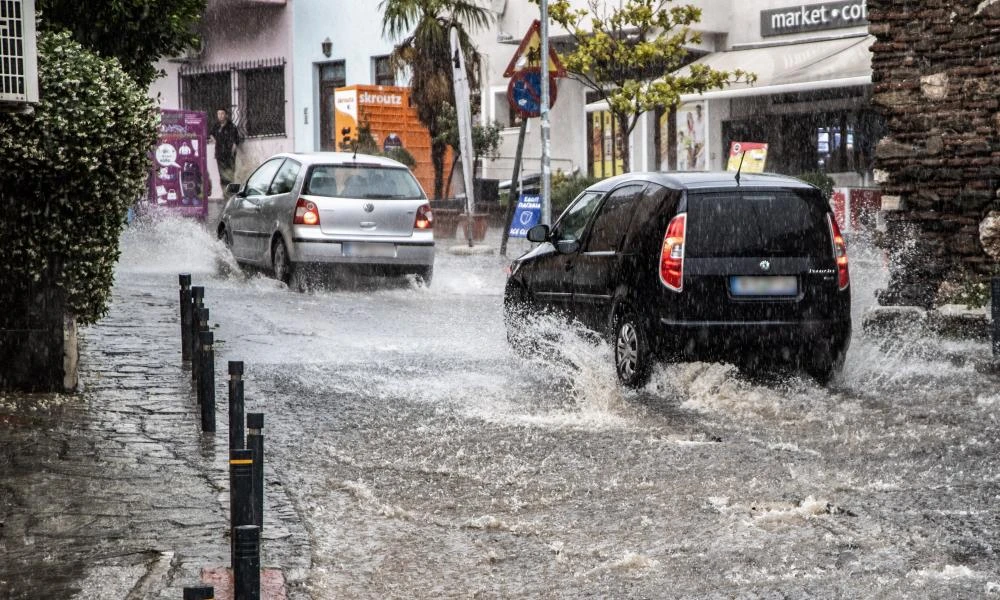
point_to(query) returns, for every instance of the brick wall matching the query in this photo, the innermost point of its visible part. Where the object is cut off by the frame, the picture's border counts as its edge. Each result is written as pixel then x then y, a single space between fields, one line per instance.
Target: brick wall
pixel 936 74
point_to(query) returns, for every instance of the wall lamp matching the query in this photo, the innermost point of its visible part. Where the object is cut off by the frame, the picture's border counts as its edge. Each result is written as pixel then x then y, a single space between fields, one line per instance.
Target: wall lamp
pixel 327 47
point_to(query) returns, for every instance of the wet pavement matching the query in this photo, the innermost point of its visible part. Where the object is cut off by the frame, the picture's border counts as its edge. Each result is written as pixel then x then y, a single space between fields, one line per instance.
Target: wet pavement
pixel 412 455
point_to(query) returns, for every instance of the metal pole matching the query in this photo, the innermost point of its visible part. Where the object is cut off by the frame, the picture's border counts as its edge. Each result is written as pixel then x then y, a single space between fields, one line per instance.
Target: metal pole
pixel 255 443
pixel 207 382
pixel 199 593
pixel 201 325
pixel 512 198
pixel 544 110
pixel 197 302
pixel 236 404
pixel 240 494
pixel 995 313
pixel 246 562
pixel 185 297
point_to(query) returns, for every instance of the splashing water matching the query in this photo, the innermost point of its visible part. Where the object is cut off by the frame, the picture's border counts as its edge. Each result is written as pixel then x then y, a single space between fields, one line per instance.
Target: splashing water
pixel 173 244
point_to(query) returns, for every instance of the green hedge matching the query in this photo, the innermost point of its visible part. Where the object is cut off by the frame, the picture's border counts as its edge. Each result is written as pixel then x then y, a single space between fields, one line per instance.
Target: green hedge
pixel 69 172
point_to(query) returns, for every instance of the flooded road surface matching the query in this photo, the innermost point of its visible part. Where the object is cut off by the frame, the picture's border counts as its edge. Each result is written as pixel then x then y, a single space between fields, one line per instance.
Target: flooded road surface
pixel 427 460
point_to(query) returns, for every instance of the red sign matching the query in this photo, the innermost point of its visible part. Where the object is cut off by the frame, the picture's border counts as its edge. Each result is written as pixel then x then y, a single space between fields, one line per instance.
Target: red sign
pixel 524 92
pixel 179 180
pixel 528 55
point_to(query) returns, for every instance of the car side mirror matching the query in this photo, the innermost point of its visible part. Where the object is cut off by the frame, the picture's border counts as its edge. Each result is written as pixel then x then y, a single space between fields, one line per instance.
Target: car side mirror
pixel 567 246
pixel 538 233
pixel 233 188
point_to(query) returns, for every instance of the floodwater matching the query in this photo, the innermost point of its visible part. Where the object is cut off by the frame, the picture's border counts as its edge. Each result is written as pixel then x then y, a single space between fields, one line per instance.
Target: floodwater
pixel 425 459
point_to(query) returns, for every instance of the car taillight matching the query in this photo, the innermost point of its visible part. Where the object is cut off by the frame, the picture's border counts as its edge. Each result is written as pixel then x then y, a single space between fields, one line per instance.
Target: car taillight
pixel 672 254
pixel 839 253
pixel 306 213
pixel 425 218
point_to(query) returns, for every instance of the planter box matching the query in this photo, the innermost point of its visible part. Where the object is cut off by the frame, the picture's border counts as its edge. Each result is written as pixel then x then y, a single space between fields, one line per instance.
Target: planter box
pixel 445 223
pixel 479 224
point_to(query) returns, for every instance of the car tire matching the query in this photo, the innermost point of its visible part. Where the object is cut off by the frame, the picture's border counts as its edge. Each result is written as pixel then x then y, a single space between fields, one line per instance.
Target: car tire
pixel 281 265
pixel 632 354
pixel 516 305
pixel 824 365
pixel 425 275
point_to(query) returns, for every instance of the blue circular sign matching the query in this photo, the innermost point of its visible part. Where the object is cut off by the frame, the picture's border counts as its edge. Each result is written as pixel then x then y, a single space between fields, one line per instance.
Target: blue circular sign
pixel 524 92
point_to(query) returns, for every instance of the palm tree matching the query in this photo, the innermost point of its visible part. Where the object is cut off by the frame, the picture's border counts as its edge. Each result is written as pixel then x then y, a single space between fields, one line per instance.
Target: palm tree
pixel 425 53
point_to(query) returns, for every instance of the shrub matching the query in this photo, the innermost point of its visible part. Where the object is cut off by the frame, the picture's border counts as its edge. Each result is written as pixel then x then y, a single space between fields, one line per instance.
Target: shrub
pixel 70 171
pixel 565 189
pixel 821 180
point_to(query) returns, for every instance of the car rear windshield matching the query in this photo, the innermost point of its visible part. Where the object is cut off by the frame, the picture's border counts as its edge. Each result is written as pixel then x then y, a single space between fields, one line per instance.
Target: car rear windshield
pixel 747 223
pixel 363 181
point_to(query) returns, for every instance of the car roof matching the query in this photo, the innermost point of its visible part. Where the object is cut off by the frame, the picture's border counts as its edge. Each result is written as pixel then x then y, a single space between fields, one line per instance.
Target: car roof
pixel 691 180
pixel 340 158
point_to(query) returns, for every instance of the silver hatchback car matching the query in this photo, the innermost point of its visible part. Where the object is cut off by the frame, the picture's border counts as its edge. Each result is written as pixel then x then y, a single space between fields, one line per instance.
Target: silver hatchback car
pixel 301 210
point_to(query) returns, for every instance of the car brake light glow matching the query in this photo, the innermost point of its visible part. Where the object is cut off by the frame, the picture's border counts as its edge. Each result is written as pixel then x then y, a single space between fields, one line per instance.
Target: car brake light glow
pixel 425 218
pixel 306 213
pixel 672 254
pixel 839 253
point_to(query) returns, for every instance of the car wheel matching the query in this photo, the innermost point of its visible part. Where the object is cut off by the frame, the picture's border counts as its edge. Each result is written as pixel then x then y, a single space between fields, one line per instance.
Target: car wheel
pixel 283 269
pixel 517 305
pixel 824 365
pixel 425 275
pixel 633 359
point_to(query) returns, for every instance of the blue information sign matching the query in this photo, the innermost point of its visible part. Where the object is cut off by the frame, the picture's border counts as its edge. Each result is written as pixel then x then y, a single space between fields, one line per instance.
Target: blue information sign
pixel 527 215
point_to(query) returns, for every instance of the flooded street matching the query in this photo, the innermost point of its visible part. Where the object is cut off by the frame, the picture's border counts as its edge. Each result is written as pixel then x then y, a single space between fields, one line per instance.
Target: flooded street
pixel 424 459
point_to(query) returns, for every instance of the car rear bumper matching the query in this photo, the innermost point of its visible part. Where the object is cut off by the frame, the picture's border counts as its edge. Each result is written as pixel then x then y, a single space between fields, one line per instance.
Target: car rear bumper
pixel 417 251
pixel 721 339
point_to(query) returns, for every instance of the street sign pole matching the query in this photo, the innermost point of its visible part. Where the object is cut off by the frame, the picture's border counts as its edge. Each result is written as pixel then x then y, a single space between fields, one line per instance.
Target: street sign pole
pixel 546 149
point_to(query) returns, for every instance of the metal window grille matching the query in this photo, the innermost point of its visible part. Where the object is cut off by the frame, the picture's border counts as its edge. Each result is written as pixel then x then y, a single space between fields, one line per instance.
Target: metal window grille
pixel 254 93
pixel 384 74
pixel 18 57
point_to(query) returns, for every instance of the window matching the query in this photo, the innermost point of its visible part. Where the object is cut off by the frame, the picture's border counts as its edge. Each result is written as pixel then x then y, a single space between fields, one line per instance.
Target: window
pixel 254 94
pixel 575 219
pixel 264 101
pixel 260 182
pixel 382 73
pixel 613 221
pixel 284 181
pixel 333 73
pixel 363 181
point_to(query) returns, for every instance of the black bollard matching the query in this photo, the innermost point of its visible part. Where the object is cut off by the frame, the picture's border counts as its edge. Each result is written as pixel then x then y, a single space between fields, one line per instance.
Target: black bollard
pixel 246 563
pixel 255 443
pixel 204 592
pixel 197 302
pixel 206 381
pixel 201 324
pixel 235 404
pixel 185 282
pixel 240 494
pixel 995 313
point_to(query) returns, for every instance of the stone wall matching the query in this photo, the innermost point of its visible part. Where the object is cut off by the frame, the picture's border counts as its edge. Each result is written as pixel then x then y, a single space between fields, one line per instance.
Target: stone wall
pixel 936 75
pixel 34 338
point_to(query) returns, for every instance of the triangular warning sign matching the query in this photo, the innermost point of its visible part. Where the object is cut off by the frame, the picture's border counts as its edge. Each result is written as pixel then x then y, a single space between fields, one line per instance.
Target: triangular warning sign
pixel 528 55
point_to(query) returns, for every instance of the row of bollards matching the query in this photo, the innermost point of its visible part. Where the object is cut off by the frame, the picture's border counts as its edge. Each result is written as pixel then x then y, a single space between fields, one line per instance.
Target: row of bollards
pixel 246 450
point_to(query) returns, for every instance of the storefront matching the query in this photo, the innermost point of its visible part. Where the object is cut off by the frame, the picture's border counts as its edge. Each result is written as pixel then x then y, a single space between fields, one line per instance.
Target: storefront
pixel 809 108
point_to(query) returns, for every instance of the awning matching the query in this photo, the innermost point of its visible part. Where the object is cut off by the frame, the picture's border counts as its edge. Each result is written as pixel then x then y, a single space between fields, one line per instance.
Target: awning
pixel 793 67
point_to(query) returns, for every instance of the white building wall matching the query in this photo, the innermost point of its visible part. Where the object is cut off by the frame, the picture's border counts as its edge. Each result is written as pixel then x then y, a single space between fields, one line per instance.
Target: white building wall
pixel 355 30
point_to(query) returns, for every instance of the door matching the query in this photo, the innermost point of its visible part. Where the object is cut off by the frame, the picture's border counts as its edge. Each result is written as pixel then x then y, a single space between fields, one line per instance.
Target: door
pixel 331 77
pixel 552 280
pixel 250 230
pixel 277 207
pixel 598 268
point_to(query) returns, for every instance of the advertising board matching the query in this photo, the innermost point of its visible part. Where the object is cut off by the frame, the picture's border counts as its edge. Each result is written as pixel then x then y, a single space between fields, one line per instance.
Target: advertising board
pixel 178 182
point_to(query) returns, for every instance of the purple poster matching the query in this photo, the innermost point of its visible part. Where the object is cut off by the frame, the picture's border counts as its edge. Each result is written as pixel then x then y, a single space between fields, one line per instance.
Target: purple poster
pixel 179 181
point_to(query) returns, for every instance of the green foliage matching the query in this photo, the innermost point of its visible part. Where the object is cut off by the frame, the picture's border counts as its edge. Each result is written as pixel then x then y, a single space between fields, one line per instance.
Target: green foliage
pixel 630 55
pixel 365 143
pixel 401 155
pixel 70 171
pixel 136 32
pixel 566 188
pixel 425 53
pixel 969 289
pixel 821 180
pixel 485 138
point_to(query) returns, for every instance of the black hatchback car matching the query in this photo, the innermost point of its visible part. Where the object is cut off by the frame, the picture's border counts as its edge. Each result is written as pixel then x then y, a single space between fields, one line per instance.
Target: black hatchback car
pixel 694 266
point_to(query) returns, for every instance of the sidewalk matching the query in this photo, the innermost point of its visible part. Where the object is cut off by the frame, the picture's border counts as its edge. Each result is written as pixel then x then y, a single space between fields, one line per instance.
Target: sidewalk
pixel 115 492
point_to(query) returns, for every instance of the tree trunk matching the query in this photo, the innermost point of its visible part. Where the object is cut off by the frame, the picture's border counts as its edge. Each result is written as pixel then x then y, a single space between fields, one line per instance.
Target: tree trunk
pixel 623 134
pixel 451 173
pixel 438 150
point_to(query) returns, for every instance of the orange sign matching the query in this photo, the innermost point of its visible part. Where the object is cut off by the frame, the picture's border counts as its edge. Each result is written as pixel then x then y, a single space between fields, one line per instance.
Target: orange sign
pixel 528 55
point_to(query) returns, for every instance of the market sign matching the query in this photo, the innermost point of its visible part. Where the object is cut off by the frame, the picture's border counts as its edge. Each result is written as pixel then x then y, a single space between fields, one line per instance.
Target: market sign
pixel 813 17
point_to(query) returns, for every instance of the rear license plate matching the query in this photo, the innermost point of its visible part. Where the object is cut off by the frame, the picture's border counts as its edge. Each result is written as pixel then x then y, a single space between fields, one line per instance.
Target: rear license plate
pixel 756 285
pixel 366 250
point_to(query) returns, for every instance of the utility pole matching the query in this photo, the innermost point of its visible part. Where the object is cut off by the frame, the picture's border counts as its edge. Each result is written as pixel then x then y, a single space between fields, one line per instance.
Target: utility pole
pixel 544 110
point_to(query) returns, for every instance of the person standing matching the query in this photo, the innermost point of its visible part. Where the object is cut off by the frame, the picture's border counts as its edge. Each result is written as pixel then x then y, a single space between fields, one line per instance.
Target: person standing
pixel 226 137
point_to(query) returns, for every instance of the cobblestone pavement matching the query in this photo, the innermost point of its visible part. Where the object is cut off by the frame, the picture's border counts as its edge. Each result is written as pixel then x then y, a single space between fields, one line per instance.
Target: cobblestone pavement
pixel 115 492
